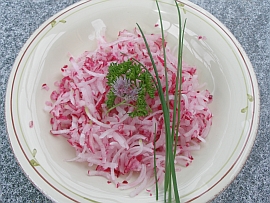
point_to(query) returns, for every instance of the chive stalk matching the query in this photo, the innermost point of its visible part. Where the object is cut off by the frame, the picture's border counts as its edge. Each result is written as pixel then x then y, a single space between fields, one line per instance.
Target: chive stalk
pixel 155 163
pixel 170 182
pixel 164 53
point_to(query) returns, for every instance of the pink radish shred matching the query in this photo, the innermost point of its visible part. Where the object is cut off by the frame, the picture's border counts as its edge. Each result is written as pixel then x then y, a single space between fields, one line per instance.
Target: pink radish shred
pixel 31 124
pixel 45 87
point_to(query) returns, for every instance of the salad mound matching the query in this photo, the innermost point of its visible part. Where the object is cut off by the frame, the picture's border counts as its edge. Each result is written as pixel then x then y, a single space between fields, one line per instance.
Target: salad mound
pixel 113 143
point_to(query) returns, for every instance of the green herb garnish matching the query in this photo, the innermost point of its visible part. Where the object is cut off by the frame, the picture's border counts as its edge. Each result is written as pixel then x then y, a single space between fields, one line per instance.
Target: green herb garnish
pixel 129 82
pixel 170 181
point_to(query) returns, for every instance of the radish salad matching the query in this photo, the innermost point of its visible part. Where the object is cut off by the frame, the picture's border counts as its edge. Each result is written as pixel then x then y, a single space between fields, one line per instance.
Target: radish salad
pixel 114 144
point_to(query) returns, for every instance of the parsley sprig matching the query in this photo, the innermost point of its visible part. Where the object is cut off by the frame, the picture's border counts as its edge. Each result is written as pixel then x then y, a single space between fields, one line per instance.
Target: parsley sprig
pixel 129 82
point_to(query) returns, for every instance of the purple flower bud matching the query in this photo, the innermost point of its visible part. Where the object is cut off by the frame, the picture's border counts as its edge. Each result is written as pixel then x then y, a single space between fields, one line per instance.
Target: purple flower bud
pixel 122 88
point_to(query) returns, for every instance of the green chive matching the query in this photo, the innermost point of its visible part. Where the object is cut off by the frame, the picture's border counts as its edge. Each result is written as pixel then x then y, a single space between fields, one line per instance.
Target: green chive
pixel 155 163
pixel 164 53
pixel 171 142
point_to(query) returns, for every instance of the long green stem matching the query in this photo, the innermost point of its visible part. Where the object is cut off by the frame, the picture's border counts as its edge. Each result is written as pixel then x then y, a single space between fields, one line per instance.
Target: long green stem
pixel 153 79
pixel 164 53
pixel 170 191
pixel 179 67
pixel 165 109
pixel 167 180
pixel 171 143
pixel 169 171
pixel 155 163
pixel 119 104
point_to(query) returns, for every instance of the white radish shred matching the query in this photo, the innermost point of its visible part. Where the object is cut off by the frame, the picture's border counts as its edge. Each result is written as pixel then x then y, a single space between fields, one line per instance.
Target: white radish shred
pixel 113 142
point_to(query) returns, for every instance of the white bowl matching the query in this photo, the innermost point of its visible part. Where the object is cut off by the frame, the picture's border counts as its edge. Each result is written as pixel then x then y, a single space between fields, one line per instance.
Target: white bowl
pixel 221 63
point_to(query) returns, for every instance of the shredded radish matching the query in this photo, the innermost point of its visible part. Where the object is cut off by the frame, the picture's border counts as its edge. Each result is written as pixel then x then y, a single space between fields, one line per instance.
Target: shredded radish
pixel 114 143
pixel 45 86
pixel 31 124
